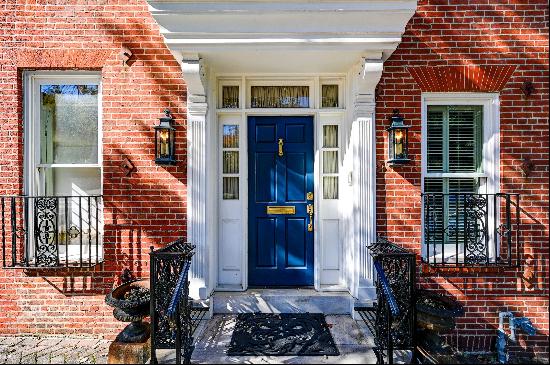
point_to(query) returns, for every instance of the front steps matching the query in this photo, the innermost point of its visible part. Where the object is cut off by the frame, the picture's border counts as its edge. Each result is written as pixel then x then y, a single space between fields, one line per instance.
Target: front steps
pixel 282 301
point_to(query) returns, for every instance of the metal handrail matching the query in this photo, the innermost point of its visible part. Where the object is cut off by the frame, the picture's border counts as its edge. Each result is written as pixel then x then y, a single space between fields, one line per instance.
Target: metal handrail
pixel 171 316
pixel 176 296
pixel 388 293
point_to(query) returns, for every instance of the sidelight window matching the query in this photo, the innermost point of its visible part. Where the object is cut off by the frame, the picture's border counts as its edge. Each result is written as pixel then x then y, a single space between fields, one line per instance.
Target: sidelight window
pixel 230 162
pixel 330 161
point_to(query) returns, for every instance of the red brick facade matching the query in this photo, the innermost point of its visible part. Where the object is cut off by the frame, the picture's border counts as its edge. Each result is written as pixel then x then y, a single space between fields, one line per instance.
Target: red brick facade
pixel 150 207
pixel 449 46
pixel 145 208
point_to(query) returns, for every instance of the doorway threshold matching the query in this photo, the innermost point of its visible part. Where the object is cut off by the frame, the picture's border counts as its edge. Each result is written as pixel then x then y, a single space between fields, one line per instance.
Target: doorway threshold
pixel 277 300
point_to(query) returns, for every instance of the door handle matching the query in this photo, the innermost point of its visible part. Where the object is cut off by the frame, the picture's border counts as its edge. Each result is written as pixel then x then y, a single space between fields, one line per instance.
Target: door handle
pixel 281 143
pixel 310 213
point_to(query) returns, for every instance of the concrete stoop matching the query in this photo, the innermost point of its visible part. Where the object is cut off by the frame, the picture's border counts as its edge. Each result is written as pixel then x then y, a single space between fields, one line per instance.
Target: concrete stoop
pixel 352 337
pixel 354 342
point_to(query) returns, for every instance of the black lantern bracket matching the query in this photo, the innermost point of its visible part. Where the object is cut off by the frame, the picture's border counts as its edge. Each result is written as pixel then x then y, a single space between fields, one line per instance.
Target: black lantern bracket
pixel 398 140
pixel 165 140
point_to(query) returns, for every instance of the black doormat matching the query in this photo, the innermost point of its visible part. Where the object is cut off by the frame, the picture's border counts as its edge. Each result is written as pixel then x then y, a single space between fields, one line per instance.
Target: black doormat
pixel 285 334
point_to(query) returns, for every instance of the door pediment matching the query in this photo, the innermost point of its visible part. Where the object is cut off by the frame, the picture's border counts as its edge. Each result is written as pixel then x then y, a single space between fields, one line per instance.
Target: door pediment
pixel 276 33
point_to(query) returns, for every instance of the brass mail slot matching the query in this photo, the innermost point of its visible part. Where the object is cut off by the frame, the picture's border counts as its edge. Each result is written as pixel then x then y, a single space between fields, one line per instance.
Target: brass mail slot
pixel 275 209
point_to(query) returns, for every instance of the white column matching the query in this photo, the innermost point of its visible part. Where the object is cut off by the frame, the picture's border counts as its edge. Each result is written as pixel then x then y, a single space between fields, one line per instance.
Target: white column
pixel 363 134
pixel 193 73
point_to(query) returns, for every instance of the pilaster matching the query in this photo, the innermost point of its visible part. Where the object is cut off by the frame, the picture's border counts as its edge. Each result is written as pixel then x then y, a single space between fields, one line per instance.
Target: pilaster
pixel 194 72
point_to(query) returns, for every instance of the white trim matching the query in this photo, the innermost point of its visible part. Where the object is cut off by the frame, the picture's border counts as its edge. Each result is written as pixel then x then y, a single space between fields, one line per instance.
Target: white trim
pixel 240 116
pixel 491 144
pixel 31 139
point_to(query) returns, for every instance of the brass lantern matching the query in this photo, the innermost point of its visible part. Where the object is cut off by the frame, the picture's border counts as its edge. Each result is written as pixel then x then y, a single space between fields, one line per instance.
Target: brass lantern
pixel 165 140
pixel 398 139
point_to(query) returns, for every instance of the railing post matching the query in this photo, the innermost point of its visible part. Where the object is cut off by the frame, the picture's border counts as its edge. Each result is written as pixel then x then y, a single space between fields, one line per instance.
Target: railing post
pixel 13 220
pixel 509 228
pixel 178 334
pixel 67 232
pixel 3 235
pixel 517 230
pixel 389 333
pixel 427 223
pixel 152 314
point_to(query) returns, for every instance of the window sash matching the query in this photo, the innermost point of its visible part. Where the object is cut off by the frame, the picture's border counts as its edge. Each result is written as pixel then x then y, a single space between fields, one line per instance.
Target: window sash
pixel 454 139
pixel 77 179
pixel 454 145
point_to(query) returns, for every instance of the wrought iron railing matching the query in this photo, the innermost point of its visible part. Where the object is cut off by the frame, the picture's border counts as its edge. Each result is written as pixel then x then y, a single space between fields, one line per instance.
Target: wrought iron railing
pixel 173 316
pixel 395 316
pixel 51 231
pixel 471 229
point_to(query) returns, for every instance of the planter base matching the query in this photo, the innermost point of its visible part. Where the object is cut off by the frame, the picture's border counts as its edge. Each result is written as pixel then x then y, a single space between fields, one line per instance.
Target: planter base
pixel 129 353
pixel 137 331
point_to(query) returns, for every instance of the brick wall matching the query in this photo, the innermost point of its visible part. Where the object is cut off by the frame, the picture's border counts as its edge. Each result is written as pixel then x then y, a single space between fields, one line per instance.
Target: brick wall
pixel 477 33
pixel 145 208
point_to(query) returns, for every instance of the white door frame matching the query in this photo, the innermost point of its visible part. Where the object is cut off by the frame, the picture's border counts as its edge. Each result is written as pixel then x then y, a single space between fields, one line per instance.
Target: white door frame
pixel 317 113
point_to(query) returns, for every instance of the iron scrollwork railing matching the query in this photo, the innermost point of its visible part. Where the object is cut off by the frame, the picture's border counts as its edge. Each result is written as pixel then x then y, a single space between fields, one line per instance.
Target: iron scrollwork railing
pixel 395 305
pixel 173 317
pixel 51 231
pixel 471 229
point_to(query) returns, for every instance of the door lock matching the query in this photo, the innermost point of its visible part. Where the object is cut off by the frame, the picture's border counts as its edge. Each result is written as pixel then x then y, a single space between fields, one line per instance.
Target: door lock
pixel 309 211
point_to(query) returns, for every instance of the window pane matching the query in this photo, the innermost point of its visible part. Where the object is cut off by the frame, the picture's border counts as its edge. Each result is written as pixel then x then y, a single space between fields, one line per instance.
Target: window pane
pixel 230 162
pixel 230 188
pixel 330 136
pixel 454 138
pixel 279 97
pixel 72 181
pixel 330 187
pixel 230 96
pixel 330 162
pixel 230 136
pixel 68 123
pixel 329 97
pixel 435 139
pixel 463 140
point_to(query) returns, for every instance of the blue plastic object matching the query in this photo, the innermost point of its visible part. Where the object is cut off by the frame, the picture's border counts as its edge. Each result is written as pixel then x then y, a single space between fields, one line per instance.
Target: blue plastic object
pixel 514 323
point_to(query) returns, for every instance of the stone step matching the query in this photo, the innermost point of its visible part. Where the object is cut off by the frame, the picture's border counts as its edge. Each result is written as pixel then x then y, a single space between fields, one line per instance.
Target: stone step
pixel 282 301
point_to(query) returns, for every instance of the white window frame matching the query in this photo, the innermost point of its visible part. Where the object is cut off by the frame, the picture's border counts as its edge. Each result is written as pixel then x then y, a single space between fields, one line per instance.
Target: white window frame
pixel 490 165
pixel 31 136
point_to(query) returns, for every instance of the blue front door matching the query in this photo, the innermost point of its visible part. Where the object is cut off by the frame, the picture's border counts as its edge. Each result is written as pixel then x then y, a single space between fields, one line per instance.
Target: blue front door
pixel 280 233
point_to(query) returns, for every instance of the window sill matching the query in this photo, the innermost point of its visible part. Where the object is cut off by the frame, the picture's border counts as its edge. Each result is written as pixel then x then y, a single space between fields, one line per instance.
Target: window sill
pixel 430 269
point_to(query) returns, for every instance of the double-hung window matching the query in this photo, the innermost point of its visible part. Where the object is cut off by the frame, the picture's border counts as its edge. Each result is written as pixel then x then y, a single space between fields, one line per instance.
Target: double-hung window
pixel 459 181
pixel 63 173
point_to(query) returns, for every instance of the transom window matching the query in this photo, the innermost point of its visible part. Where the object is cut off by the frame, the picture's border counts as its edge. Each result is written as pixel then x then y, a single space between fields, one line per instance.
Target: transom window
pixel 279 96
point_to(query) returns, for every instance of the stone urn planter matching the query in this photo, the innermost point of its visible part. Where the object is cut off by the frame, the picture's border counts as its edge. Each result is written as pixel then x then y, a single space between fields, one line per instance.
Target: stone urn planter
pixel 131 303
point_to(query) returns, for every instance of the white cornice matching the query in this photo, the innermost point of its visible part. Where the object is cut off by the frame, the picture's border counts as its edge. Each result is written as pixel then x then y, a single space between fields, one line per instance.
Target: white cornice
pixel 210 26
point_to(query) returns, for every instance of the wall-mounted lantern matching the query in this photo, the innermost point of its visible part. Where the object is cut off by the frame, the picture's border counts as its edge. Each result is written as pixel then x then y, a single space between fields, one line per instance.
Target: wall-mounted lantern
pixel 398 138
pixel 165 140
